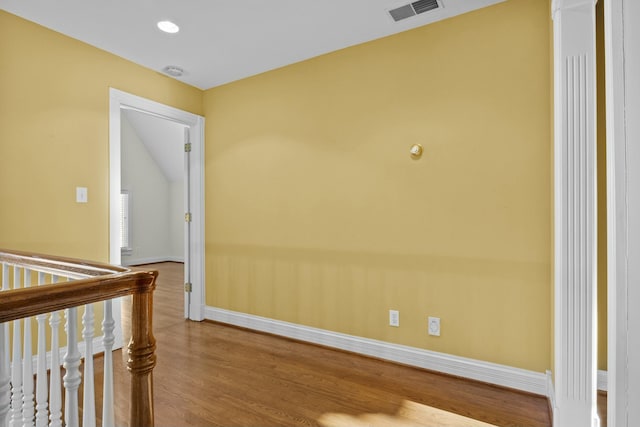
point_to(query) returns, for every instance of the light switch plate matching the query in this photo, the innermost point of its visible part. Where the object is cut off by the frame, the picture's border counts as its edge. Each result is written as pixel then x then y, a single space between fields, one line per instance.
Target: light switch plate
pixel 81 195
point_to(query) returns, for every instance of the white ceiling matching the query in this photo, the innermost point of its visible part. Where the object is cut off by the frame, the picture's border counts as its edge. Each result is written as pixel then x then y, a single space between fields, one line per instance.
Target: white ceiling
pixel 225 40
pixel 163 139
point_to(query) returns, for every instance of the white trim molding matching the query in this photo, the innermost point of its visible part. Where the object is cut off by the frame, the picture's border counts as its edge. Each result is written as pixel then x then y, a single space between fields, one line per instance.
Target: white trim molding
pixel 551 393
pixel 493 373
pixel 602 380
pixel 151 260
pixel 622 75
pixel 575 279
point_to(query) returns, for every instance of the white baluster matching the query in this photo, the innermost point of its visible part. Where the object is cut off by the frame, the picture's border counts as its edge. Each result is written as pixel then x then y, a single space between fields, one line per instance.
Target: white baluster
pixel 5 388
pixel 108 326
pixel 55 394
pixel 42 404
pixel 16 364
pixel 71 365
pixel 28 405
pixel 5 378
pixel 88 396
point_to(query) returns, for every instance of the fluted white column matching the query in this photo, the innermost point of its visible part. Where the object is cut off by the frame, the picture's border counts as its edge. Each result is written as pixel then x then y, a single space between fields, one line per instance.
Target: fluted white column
pixel 575 213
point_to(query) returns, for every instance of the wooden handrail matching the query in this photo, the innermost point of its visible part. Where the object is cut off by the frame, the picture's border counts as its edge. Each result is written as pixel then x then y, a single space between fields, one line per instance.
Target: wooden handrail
pixel 27 302
pixel 70 267
pixel 96 282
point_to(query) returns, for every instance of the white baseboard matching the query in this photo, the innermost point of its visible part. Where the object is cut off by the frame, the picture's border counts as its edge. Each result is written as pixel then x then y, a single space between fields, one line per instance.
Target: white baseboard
pixel 150 260
pixel 506 376
pixel 551 392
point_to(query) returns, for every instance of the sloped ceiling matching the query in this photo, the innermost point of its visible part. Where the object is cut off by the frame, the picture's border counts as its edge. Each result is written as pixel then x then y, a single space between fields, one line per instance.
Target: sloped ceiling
pixel 163 139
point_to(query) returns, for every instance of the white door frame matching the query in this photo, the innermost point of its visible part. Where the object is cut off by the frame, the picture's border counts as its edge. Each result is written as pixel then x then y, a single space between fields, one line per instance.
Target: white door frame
pixel 622 61
pixel 118 101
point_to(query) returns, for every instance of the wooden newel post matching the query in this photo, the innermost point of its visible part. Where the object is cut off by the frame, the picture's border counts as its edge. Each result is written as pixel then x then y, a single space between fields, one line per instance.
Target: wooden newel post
pixel 142 358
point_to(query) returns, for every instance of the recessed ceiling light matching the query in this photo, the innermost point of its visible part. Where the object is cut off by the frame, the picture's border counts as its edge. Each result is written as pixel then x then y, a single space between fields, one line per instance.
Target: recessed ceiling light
pixel 168 27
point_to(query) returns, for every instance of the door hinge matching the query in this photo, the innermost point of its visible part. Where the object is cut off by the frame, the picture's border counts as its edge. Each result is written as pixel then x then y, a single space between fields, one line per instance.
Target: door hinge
pixel 188 287
pixel 187 147
pixel 187 217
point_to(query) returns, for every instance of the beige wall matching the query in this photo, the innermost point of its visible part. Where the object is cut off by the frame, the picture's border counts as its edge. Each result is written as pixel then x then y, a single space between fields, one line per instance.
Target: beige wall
pixel 317 215
pixel 54 127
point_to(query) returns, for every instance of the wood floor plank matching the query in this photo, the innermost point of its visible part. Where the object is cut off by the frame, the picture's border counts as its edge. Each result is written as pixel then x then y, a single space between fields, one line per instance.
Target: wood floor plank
pixel 210 374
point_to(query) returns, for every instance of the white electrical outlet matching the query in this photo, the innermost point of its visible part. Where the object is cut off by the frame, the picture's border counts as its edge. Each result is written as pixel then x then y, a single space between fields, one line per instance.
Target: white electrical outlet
pixel 394 318
pixel 434 326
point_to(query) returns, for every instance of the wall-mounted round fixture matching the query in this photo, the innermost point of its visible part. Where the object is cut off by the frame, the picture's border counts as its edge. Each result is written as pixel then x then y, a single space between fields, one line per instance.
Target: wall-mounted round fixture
pixel 416 151
pixel 173 70
pixel 168 27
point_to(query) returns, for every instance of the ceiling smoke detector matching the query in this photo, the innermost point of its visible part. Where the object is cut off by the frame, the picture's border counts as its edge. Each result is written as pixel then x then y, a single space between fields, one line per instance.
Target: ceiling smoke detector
pixel 173 70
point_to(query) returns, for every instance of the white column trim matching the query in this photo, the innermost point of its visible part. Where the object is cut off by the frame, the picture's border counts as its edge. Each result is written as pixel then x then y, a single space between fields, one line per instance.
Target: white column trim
pixel 575 279
pixel 567 5
pixel 622 62
pixel 617 399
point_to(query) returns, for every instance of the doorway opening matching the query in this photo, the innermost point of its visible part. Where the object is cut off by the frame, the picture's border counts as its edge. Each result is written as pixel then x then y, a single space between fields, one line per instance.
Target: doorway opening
pixel 152 182
pixel 166 173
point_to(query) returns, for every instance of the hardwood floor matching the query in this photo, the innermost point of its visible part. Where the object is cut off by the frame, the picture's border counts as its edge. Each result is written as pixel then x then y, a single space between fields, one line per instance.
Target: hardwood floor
pixel 210 374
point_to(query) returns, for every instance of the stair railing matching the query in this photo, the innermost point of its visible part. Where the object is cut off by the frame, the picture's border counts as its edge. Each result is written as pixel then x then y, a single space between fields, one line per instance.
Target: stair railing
pixel 40 287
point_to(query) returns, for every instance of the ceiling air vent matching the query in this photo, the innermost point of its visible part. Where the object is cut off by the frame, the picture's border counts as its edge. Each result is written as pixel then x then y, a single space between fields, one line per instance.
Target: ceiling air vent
pixel 412 9
pixel 423 6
